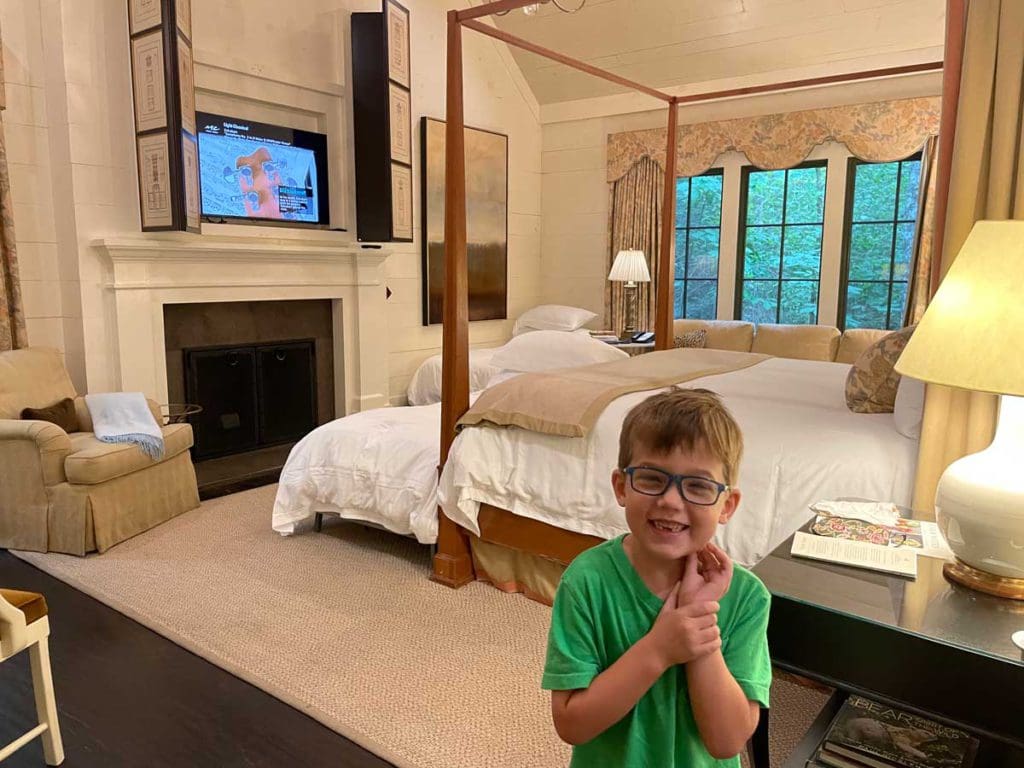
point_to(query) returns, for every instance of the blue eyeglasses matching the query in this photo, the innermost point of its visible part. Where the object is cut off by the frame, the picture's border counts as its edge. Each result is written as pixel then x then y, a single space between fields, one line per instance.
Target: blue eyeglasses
pixel 656 482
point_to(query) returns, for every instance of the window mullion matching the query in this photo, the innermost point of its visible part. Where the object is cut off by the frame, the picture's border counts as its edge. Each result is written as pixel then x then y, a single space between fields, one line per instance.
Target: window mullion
pixel 782 246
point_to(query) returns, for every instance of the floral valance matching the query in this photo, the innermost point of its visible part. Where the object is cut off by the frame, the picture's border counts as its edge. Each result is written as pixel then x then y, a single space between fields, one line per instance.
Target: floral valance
pixel 878 132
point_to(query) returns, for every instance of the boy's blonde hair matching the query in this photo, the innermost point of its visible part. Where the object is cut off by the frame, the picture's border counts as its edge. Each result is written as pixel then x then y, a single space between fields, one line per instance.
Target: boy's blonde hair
pixel 690 419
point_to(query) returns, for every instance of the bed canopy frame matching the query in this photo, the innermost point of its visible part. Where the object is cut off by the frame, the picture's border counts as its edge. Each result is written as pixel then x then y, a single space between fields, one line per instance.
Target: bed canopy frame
pixel 452 564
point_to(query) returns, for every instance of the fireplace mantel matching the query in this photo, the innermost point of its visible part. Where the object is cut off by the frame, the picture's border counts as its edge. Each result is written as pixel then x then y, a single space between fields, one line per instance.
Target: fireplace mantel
pixel 147 272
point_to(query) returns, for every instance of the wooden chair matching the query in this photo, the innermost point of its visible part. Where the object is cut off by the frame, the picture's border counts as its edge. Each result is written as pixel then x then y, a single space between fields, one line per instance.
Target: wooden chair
pixel 24 624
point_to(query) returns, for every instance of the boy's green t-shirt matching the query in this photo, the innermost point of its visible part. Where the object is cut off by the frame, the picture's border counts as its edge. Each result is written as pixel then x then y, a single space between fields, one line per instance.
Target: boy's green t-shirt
pixel 601 609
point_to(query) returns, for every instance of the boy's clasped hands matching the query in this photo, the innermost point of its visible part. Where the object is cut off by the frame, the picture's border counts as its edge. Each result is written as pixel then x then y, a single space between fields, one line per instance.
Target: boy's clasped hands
pixel 687 626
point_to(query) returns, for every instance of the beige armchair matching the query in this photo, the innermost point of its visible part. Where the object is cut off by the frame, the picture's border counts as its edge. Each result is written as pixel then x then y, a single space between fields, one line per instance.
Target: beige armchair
pixel 69 492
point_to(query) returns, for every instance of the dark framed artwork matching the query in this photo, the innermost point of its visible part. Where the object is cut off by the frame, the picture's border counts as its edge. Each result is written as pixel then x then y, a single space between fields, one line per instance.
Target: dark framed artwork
pixel 486 221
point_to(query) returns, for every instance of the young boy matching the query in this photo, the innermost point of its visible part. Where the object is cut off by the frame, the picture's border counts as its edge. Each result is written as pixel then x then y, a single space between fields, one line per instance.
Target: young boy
pixel 657 654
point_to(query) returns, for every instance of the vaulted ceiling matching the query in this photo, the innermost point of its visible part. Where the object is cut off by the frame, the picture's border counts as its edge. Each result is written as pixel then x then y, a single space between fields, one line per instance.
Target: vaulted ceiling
pixel 670 44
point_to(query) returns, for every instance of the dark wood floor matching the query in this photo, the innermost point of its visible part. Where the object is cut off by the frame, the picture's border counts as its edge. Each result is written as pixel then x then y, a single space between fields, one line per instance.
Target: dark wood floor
pixel 128 697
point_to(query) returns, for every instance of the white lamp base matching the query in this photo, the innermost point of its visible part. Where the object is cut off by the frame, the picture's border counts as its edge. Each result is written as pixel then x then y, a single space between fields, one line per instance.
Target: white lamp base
pixel 979 506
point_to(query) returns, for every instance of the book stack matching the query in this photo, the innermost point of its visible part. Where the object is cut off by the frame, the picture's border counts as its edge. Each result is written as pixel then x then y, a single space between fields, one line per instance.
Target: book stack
pixel 866 734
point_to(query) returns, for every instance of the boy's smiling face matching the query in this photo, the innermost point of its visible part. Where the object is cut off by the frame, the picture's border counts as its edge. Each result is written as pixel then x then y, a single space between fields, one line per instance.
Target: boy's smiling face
pixel 667 527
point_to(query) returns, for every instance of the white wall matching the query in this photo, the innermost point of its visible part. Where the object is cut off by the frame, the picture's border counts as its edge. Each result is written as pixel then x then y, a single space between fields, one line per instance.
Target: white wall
pixel 575 197
pixel 71 149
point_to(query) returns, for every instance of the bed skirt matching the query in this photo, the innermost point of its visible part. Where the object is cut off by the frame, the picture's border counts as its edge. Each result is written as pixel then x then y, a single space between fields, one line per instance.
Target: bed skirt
pixel 512 570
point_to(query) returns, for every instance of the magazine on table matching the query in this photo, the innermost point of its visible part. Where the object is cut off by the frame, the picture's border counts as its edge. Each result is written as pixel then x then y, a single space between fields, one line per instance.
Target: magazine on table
pixel 921 536
pixel 867 733
pixel 859 554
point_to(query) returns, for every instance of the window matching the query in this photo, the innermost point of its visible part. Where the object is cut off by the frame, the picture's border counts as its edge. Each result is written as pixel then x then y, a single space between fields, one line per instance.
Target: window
pixel 881 212
pixel 698 226
pixel 783 214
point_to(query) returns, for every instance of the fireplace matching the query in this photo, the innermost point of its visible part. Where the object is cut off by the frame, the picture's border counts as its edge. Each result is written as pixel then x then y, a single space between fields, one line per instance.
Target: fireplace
pixel 283 276
pixel 251 397
pixel 263 374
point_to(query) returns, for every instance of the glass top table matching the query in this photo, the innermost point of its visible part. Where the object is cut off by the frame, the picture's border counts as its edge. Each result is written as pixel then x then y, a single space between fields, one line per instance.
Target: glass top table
pixel 925 643
pixel 929 605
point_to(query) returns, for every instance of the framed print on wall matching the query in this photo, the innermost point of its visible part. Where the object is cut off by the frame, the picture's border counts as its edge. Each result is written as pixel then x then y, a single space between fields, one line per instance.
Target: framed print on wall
pixel 144 14
pixel 186 84
pixel 155 180
pixel 401 202
pixel 190 164
pixel 397 36
pixel 400 124
pixel 183 16
pixel 148 73
pixel 486 221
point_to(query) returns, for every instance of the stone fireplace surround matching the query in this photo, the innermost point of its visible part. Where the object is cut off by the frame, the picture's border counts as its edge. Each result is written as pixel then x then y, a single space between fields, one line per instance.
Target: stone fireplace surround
pixel 149 271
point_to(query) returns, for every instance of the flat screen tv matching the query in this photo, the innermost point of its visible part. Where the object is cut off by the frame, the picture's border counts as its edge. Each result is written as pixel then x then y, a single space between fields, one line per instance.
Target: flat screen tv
pixel 259 172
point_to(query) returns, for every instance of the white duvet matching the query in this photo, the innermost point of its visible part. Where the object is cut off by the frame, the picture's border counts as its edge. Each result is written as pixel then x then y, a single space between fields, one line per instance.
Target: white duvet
pixel 377 466
pixel 802 444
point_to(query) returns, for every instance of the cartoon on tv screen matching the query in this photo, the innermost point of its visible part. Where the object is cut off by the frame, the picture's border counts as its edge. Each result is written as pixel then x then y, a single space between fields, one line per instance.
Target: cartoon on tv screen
pixel 252 170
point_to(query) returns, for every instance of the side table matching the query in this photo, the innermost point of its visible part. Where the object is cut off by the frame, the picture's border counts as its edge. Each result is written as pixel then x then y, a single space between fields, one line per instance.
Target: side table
pixel 179 413
pixel 924 645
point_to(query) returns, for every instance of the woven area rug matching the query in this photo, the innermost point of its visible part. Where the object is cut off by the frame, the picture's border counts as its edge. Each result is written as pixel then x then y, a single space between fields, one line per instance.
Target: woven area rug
pixel 345 626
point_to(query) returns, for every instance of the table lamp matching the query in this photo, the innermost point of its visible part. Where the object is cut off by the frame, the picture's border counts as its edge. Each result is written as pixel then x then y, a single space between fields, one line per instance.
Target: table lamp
pixel 969 337
pixel 630 267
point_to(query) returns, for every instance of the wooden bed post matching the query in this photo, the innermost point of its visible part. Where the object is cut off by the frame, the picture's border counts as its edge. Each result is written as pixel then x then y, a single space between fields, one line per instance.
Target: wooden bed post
pixel 664 338
pixel 452 564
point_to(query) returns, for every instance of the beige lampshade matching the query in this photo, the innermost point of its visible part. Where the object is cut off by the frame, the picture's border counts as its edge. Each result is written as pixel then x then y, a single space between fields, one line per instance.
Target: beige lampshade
pixel 970 334
pixel 630 266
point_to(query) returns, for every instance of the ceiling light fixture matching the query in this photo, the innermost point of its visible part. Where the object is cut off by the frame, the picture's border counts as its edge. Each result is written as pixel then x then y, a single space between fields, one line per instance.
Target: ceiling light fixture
pixel 532 8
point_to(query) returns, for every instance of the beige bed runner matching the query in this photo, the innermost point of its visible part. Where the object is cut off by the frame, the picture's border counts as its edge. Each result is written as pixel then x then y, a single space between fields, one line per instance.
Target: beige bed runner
pixel 568 401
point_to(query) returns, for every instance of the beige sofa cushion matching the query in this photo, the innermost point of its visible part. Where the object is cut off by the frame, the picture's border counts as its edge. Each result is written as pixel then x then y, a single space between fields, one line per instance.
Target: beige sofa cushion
pixel 32 378
pixel 872 382
pixel 92 462
pixel 800 342
pixel 733 335
pixel 854 341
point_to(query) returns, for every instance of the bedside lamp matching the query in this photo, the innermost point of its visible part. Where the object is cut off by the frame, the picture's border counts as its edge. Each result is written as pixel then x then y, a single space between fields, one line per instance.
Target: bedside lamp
pixel 630 267
pixel 967 339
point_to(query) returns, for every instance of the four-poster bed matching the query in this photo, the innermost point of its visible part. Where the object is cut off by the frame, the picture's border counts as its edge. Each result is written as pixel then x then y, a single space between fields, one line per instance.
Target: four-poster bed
pixel 497 526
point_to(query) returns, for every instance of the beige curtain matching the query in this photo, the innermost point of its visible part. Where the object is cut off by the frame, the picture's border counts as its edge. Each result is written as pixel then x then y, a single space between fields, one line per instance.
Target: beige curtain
pixel 918 293
pixel 12 315
pixel 985 183
pixel 635 222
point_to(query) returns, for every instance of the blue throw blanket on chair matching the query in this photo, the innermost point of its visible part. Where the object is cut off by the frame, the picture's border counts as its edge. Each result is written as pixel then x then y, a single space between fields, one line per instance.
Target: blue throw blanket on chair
pixel 124 417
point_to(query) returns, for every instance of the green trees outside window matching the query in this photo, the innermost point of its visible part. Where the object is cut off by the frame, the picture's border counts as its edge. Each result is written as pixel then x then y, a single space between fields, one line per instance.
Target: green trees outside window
pixel 698 229
pixel 783 215
pixel 881 214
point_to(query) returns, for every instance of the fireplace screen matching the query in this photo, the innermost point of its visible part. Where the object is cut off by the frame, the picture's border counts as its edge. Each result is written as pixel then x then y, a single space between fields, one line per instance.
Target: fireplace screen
pixel 253 396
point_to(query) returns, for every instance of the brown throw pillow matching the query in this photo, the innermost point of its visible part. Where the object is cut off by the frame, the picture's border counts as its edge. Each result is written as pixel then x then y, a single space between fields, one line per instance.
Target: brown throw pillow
pixel 872 382
pixel 693 339
pixel 61 413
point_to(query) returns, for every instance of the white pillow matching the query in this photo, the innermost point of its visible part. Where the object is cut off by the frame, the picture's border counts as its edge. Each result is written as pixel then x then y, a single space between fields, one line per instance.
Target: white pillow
pixel 552 317
pixel 543 350
pixel 908 410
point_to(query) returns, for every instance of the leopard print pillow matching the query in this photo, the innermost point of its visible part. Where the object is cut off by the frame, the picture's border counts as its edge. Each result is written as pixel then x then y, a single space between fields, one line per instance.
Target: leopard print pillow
pixel 695 339
pixel 872 382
